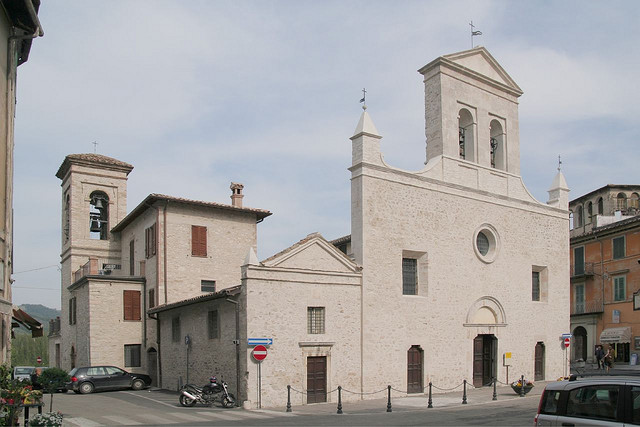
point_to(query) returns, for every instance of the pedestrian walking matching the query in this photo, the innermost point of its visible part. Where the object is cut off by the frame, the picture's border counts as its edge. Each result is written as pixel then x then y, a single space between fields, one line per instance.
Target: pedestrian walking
pixel 600 356
pixel 608 358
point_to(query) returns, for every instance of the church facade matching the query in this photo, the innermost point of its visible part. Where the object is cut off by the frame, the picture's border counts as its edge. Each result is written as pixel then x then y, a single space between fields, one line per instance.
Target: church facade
pixel 453 272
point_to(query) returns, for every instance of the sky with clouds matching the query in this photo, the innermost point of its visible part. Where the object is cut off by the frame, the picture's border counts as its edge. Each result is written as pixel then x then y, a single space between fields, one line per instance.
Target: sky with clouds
pixel 201 93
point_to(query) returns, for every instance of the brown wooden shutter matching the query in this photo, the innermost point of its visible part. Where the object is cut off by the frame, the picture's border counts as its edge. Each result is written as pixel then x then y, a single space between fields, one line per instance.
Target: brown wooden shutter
pixel 131 305
pixel 198 240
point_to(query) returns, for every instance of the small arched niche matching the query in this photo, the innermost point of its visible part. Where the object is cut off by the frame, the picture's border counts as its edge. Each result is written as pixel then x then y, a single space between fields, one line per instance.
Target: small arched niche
pixel 486 311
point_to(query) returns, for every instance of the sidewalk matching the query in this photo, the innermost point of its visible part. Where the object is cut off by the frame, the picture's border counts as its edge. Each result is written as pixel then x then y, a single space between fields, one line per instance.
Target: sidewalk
pixel 402 402
pixel 619 368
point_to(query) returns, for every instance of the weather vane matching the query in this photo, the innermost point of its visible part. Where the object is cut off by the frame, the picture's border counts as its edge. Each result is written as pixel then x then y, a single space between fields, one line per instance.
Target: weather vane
pixel 559 162
pixel 364 99
pixel 95 147
pixel 474 33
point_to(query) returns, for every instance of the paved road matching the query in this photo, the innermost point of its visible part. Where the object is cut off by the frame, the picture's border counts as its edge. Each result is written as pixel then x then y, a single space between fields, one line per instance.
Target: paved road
pixel 157 407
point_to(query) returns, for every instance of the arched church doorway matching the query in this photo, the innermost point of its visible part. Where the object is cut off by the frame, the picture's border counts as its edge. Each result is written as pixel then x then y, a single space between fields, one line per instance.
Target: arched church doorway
pixel 414 369
pixel 485 363
pixel 579 343
pixel 152 365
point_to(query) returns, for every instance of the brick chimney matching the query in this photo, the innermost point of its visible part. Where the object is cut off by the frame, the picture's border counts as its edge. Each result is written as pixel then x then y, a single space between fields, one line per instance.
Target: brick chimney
pixel 236 194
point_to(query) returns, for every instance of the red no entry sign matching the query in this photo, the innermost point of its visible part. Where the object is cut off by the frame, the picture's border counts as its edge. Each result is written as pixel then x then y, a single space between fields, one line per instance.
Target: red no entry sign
pixel 567 342
pixel 39 359
pixel 259 352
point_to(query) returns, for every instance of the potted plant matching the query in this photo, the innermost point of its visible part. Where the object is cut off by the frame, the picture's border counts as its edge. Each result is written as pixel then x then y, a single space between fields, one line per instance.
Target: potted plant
pixel 517 386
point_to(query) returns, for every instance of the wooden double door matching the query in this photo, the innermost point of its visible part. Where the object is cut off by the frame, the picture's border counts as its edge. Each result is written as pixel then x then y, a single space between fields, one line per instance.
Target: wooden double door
pixel 316 379
pixel 485 363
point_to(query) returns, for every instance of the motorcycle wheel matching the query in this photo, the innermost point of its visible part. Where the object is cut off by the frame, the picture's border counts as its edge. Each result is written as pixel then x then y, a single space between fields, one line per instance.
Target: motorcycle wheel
pixel 229 402
pixel 185 401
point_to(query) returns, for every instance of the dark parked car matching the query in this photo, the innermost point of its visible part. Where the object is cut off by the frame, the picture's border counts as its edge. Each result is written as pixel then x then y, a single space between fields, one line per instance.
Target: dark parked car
pixel 87 379
pixel 596 401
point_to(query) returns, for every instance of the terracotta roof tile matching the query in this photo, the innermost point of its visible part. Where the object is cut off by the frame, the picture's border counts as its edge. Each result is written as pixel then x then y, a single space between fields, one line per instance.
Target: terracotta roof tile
pixel 91 159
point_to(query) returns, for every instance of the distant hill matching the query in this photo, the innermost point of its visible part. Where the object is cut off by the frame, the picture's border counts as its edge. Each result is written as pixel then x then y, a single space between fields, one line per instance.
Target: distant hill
pixel 41 313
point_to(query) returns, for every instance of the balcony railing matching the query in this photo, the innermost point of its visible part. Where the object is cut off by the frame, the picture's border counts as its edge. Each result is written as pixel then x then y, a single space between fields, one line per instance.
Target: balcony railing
pixel 585 269
pixel 96 266
pixel 587 307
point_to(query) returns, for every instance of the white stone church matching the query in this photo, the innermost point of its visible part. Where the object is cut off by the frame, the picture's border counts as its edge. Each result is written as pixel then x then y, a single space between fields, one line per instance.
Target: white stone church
pixel 446 271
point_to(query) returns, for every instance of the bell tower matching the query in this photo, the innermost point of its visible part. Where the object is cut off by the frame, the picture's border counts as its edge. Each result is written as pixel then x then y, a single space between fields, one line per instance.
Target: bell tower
pixel 471 109
pixel 94 200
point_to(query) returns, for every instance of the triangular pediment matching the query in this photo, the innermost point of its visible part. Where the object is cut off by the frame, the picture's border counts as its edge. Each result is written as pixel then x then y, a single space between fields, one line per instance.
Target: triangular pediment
pixel 480 60
pixel 312 253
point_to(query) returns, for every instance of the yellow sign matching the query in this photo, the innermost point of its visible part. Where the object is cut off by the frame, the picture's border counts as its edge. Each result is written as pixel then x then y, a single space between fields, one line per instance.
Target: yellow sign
pixel 507 359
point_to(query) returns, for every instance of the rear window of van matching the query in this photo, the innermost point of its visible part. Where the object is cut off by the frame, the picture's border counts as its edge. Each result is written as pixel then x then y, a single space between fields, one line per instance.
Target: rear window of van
pixel 550 402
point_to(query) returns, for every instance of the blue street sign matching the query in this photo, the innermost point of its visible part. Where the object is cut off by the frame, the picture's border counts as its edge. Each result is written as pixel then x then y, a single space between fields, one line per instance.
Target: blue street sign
pixel 567 336
pixel 260 341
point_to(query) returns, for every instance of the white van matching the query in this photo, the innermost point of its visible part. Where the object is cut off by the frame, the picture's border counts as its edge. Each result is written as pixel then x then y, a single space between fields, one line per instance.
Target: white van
pixel 23 372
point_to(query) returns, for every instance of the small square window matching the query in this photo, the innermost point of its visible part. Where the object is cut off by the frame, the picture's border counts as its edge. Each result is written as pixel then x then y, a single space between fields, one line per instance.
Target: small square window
pixel 132 355
pixel 315 320
pixel 208 285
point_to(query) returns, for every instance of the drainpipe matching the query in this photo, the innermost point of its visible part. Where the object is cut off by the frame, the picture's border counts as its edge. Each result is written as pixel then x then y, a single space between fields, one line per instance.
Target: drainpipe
pixel 237 344
pixel 164 244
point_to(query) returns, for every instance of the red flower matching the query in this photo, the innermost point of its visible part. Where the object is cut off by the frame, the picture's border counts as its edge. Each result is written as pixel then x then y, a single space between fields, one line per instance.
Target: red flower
pixel 10 401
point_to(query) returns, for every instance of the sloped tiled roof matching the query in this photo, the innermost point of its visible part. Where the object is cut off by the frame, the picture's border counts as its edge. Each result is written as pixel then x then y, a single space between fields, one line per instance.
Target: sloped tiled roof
pixel 302 242
pixel 91 159
pixel 227 292
pixel 152 198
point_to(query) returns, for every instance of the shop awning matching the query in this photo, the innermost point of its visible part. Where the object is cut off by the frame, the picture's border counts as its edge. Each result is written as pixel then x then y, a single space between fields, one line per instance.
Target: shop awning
pixel 616 335
pixel 21 318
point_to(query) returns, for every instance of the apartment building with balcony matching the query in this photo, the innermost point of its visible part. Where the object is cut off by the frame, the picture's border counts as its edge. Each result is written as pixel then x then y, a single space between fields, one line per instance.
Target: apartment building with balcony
pixel 605 272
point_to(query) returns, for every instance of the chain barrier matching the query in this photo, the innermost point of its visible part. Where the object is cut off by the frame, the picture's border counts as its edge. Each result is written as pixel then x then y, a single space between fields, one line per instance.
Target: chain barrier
pixel 389 388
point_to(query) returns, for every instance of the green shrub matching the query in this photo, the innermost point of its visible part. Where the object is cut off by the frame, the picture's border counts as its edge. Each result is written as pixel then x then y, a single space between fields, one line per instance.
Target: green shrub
pixel 53 379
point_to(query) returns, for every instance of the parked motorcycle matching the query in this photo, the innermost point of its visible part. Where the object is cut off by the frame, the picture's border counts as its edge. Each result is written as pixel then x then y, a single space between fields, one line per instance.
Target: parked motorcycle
pixel 213 392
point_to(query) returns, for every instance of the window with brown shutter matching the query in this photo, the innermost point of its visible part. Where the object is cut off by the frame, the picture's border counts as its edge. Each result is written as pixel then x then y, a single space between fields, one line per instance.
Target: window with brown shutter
pixel 198 240
pixel 150 241
pixel 131 305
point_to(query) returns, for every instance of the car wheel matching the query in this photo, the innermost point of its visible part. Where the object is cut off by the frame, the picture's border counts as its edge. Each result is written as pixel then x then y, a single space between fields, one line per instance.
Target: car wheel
pixel 86 388
pixel 137 384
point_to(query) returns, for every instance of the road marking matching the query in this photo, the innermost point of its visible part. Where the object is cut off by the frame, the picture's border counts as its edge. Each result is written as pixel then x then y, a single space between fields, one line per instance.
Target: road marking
pixel 252 415
pixel 155 419
pixel 153 400
pixel 186 417
pixel 82 422
pixel 226 416
pixel 273 413
pixel 121 420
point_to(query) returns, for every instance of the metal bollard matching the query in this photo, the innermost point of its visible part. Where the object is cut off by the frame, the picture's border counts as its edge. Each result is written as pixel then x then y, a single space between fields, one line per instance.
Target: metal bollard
pixel 430 405
pixel 495 395
pixel 464 393
pixel 522 387
pixel 288 398
pixel 389 398
pixel 339 399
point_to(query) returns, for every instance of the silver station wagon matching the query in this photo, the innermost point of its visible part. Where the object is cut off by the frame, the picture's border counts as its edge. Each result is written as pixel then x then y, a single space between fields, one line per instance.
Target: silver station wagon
pixel 595 401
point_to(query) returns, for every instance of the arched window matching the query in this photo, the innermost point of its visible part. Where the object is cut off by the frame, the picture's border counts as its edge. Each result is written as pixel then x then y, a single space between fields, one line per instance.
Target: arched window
pixel 99 215
pixel 600 206
pixel 465 134
pixel 579 216
pixel 589 212
pixel 621 202
pixel 497 145
pixel 634 201
pixel 571 220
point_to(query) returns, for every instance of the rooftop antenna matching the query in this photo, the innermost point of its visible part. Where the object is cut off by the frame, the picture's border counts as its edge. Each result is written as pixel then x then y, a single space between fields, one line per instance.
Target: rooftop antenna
pixel 559 162
pixel 474 33
pixel 364 99
pixel 95 147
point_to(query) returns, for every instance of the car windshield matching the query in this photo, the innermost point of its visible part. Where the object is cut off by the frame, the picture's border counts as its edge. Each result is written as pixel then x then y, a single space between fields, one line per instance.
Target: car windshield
pixel 111 370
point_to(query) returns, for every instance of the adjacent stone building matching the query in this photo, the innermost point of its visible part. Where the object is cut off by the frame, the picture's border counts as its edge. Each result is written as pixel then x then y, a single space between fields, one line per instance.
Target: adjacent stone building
pixel 116 266
pixel 19 25
pixel 605 272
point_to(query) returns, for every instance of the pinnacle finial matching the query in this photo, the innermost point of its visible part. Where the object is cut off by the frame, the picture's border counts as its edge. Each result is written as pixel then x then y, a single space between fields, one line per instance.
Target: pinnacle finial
pixel 559 162
pixel 364 99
